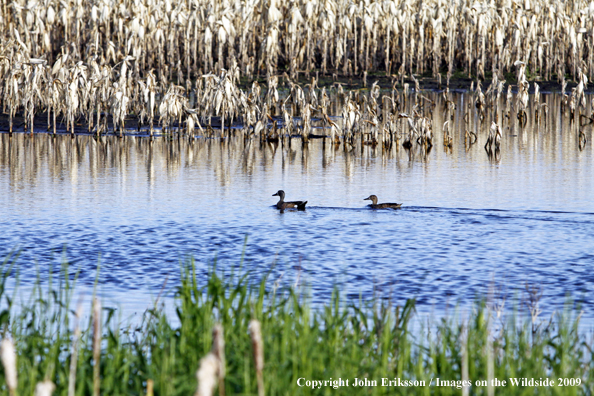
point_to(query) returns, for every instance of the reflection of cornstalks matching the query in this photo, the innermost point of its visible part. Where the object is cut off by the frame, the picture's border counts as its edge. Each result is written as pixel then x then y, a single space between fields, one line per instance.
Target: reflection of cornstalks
pixel 447 138
pixel 494 138
pixel 587 120
pixel 480 103
pixel 469 138
pixel 582 140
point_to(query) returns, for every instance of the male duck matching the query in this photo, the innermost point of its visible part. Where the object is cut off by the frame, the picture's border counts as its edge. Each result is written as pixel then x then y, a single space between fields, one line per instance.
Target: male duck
pixel 375 205
pixel 282 205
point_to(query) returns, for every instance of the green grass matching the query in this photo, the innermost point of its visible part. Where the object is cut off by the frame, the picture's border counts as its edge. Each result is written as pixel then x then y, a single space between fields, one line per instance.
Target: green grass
pixel 341 339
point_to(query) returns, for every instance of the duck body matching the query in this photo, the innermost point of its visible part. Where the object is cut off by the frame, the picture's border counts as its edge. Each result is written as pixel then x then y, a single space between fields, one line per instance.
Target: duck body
pixel 282 205
pixel 387 205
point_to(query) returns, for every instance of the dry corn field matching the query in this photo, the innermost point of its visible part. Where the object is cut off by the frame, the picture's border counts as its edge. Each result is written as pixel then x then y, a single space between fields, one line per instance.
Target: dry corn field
pixel 87 66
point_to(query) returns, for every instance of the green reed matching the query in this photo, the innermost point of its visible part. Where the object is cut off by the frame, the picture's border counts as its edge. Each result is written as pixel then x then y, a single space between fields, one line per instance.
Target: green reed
pixel 341 339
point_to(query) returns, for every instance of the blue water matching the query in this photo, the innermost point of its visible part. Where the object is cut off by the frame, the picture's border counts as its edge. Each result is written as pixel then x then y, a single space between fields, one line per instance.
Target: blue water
pixel 470 224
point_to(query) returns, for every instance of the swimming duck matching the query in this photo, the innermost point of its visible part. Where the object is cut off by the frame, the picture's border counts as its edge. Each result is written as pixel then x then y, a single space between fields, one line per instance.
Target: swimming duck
pixel 375 205
pixel 282 205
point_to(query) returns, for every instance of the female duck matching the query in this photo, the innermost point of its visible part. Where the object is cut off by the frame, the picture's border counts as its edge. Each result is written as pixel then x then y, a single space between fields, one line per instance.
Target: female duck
pixel 375 205
pixel 282 205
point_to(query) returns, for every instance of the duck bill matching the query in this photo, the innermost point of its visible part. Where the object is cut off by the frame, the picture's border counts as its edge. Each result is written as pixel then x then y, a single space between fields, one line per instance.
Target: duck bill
pixel 366 199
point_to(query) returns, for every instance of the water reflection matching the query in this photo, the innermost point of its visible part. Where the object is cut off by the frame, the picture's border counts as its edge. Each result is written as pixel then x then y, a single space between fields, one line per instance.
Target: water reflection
pixel 547 132
pixel 520 215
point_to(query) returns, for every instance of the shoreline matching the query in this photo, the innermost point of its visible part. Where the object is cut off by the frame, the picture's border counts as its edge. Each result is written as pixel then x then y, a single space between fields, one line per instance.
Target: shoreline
pixel 290 347
pixel 426 83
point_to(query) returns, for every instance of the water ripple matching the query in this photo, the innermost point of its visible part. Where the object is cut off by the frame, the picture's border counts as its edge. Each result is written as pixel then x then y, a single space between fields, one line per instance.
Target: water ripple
pixel 451 242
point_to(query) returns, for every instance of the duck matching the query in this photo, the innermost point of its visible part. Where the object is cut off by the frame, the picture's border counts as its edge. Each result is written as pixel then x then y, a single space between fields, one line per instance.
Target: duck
pixel 282 205
pixel 375 205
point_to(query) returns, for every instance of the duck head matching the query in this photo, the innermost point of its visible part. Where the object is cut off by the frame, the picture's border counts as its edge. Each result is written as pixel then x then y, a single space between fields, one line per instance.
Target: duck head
pixel 371 198
pixel 279 193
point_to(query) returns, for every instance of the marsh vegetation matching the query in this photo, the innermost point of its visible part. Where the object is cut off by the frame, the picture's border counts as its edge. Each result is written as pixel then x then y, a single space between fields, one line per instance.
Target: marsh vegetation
pixel 91 65
pixel 250 77
pixel 236 334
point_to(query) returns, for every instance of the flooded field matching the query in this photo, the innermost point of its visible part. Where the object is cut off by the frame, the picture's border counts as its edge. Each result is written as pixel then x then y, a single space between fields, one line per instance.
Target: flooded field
pixel 509 220
pixel 139 136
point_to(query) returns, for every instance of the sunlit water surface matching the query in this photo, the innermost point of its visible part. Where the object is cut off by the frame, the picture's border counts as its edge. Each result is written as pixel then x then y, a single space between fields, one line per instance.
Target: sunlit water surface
pixel 470 223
